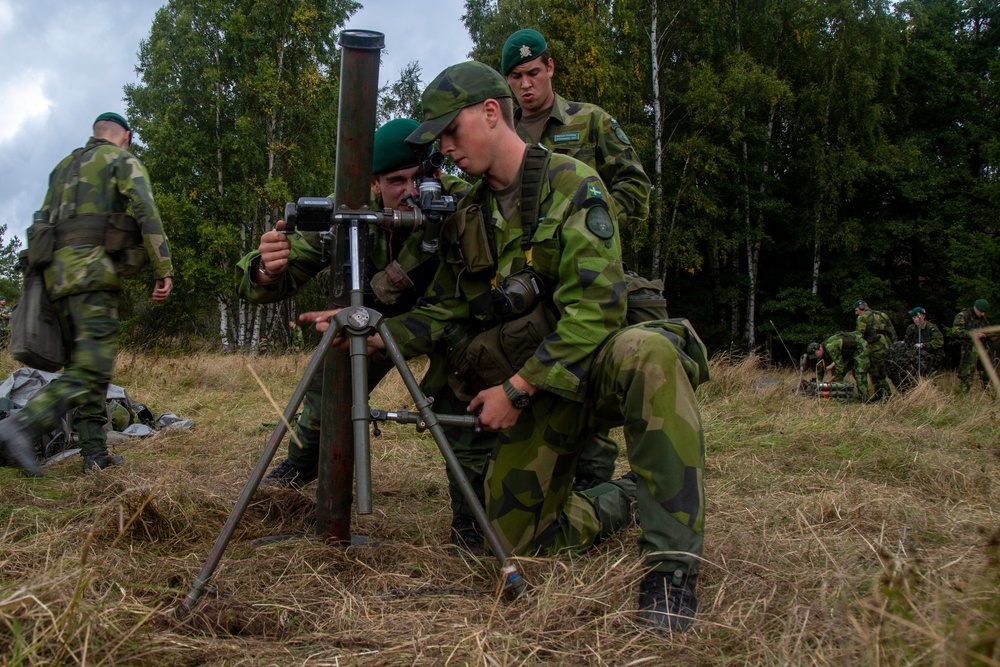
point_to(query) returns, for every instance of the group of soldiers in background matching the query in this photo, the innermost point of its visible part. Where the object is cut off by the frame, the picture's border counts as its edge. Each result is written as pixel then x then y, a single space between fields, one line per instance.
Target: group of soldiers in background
pixel 873 351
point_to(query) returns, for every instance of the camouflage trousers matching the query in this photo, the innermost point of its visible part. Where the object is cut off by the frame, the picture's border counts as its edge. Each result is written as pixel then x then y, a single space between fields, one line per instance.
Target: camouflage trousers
pixel 639 380
pixel 89 324
pixel 471 449
pixel 968 368
pixel 878 372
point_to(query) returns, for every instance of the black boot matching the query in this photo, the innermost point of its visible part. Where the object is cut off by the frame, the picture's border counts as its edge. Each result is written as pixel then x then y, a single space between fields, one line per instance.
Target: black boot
pixel 466 535
pixel 289 476
pixel 101 460
pixel 16 440
pixel 667 600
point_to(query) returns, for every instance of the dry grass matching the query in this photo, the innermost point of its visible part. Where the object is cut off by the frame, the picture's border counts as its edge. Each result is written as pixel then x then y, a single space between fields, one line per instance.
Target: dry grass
pixel 838 534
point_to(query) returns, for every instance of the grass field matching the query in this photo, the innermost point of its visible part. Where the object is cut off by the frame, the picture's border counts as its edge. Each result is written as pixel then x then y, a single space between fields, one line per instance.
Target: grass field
pixel 837 534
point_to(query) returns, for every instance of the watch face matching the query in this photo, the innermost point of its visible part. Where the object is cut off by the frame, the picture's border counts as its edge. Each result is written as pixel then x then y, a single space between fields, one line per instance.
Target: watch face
pixel 522 401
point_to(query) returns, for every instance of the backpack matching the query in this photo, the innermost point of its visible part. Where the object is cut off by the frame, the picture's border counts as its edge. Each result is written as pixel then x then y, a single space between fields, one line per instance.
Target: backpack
pixel 35 335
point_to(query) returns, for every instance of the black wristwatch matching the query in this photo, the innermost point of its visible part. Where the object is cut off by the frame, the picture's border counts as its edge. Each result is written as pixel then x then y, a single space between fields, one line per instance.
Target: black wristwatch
pixel 519 399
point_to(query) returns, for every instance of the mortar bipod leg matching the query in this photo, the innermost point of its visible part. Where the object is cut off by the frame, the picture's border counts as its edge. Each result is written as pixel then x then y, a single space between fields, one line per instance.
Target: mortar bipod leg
pixel 215 555
pixel 514 582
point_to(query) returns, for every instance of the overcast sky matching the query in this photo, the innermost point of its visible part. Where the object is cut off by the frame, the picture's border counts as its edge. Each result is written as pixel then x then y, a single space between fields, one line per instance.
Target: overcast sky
pixel 64 62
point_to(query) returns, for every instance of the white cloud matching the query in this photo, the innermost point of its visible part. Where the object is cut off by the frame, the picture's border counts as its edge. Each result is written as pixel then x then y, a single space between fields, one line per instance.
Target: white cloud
pixel 6 17
pixel 22 100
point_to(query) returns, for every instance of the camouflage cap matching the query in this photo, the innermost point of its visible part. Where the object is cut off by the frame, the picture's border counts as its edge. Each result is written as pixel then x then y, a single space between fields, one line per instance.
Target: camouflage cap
pixel 452 90
pixel 917 311
pixel 982 305
pixel 860 303
pixel 812 348
pixel 520 47
pixel 391 151
pixel 114 118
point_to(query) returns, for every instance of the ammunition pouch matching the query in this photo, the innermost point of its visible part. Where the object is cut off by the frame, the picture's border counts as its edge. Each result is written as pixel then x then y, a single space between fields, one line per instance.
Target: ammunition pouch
pixel 41 241
pixel 117 232
pixel 644 299
pixel 391 283
pixel 467 228
pixel 486 359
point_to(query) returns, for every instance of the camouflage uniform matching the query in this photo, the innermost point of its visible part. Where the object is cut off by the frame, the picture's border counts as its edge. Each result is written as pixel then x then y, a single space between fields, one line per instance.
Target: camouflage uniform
pixel 929 335
pixel 305 261
pixel 847 352
pixel 297 342
pixel 594 375
pixel 878 332
pixel 588 133
pixel 84 283
pixel 962 327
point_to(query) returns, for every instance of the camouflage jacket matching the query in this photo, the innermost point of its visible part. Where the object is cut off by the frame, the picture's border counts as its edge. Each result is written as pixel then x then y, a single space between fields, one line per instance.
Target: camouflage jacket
pixel 306 259
pixel 929 335
pixel 588 133
pixel 876 328
pixel 111 180
pixel 841 347
pixel 577 256
pixel 964 323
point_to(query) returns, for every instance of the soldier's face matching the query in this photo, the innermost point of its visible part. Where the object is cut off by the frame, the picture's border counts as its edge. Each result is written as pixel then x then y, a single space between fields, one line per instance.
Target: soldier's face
pixel 467 141
pixel 394 186
pixel 918 320
pixel 532 85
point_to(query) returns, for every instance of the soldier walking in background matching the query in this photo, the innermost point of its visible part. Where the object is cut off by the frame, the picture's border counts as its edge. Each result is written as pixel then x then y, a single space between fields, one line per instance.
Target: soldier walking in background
pixel 877 330
pixel 963 328
pixel 88 196
pixel 590 134
pixel 296 340
pixel 844 352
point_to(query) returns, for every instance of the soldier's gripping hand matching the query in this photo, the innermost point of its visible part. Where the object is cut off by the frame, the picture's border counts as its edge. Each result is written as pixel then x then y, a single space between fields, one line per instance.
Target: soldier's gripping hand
pixel 161 288
pixel 496 412
pixel 274 249
pixel 322 318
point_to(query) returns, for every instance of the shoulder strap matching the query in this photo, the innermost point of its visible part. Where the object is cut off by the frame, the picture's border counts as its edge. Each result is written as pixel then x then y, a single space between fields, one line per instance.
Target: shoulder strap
pixel 536 164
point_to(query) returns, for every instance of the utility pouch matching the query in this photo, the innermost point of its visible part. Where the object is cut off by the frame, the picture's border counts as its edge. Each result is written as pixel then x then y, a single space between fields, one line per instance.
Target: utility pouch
pixel 468 228
pixel 494 355
pixel 123 241
pixel 36 338
pixel 391 283
pixel 41 241
pixel 645 299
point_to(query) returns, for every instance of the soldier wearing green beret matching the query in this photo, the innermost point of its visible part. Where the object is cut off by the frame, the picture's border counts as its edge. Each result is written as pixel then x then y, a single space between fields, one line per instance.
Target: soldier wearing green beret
pixel 89 193
pixel 922 334
pixel 844 352
pixel 966 326
pixel 588 133
pixel 549 369
pixel 879 333
pixel 402 271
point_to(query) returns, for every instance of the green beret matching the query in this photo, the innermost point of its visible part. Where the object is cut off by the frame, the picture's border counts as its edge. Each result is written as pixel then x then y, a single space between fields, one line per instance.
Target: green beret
pixel 2 297
pixel 452 90
pixel 391 152
pixel 522 46
pixel 114 118
pixel 917 311
pixel 860 303
pixel 983 305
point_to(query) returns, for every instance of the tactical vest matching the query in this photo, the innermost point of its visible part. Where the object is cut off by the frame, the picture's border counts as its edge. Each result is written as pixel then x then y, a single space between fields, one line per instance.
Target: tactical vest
pixel 117 232
pixel 882 326
pixel 848 344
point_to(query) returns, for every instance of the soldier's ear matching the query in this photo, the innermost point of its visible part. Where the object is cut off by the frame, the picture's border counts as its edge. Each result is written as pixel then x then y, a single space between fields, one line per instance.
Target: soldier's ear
pixel 491 111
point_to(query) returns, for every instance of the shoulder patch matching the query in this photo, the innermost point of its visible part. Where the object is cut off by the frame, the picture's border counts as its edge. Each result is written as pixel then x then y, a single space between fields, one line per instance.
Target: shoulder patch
pixel 594 190
pixel 620 133
pixel 599 221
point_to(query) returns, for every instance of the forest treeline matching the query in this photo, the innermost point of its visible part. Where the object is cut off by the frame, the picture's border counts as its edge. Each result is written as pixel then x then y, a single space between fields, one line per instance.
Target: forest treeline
pixel 804 154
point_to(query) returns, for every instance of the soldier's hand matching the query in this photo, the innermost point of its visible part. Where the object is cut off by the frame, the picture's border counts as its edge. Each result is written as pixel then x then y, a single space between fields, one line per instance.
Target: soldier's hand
pixel 497 411
pixel 274 249
pixel 321 318
pixel 161 288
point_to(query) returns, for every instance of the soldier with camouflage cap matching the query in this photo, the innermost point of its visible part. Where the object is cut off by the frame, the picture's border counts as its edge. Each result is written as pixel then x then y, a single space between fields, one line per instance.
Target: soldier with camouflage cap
pixel 588 133
pixel 964 328
pixel 572 368
pixel 844 352
pixel 87 190
pixel 879 333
